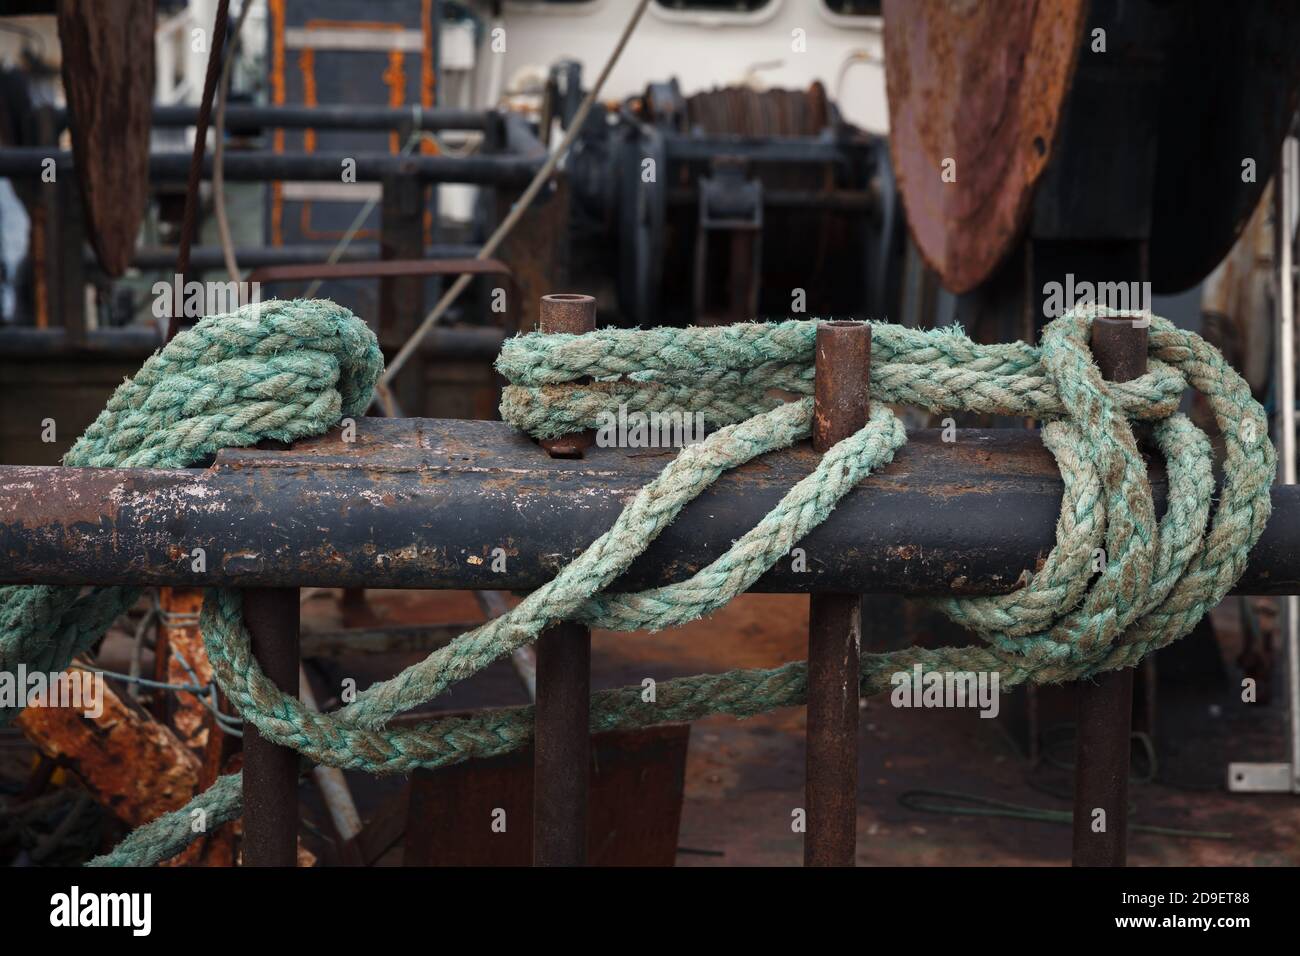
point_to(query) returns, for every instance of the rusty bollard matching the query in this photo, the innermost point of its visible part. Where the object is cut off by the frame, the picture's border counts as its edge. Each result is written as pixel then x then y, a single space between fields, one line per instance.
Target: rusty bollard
pixel 841 405
pixel 562 739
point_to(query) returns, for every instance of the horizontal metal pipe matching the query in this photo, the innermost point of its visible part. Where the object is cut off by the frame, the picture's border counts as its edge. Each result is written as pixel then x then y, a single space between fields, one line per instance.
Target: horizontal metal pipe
pixel 426 503
pixel 500 170
pixel 210 257
pixel 351 116
pixel 140 341
pixel 396 639
pixel 377 269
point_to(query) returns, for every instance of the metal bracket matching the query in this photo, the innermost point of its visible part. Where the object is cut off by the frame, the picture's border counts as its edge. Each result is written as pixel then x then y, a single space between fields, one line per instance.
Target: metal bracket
pixel 1261 778
pixel 730 204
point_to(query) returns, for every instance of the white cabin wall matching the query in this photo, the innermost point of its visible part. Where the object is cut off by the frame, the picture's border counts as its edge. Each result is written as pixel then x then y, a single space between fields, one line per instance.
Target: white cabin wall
pixel 700 55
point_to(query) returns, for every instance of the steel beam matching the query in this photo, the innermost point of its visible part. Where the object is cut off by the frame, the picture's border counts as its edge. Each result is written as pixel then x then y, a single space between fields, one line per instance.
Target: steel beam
pixel 204 258
pixel 140 341
pixel 351 116
pixel 270 771
pixel 841 406
pixel 420 503
pixel 500 170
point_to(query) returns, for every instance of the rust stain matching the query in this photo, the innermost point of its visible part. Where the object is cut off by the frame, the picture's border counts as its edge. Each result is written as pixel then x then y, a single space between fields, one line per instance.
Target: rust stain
pixel 131 764
pixel 976 90
pixel 179 634
pixel 109 88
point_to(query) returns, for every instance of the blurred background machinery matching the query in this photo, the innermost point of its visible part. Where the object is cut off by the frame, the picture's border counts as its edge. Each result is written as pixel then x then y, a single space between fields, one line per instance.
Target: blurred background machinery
pixel 730 204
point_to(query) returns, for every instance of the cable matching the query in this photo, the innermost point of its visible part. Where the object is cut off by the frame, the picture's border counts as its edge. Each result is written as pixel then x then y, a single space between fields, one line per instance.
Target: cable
pixel 203 692
pixel 516 213
pixel 229 723
pixel 142 681
pixel 956 804
pixel 190 218
pixel 219 150
pixel 137 647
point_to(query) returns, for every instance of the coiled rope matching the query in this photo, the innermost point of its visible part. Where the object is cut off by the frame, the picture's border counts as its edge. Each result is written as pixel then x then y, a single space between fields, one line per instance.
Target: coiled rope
pixel 288 369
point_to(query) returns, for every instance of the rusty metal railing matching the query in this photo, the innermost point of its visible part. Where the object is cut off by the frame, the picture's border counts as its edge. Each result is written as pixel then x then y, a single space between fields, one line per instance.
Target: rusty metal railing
pixel 421 503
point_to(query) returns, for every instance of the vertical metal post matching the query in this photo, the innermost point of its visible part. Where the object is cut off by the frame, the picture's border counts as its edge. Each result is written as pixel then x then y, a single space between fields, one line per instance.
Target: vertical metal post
pixel 841 406
pixel 69 261
pixel 562 738
pixel 271 771
pixel 1284 218
pixel 401 298
pixel 1105 705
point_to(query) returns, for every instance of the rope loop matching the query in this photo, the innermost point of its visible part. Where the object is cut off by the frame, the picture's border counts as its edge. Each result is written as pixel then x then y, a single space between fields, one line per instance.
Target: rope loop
pixel 284 370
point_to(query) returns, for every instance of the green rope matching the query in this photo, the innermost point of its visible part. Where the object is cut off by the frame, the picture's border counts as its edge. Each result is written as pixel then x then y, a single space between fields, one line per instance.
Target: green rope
pixel 288 369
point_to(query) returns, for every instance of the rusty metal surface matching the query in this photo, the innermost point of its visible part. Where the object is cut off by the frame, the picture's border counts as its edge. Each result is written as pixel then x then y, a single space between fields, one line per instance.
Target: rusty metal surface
pixel 571 314
pixel 841 405
pixel 742 111
pixel 137 767
pixel 271 771
pixel 180 643
pixel 831 787
pixel 1102 754
pixel 108 77
pixel 841 400
pixel 567 313
pixel 636 778
pixel 1120 349
pixel 130 763
pixel 420 503
pixel 562 746
pixel 982 84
